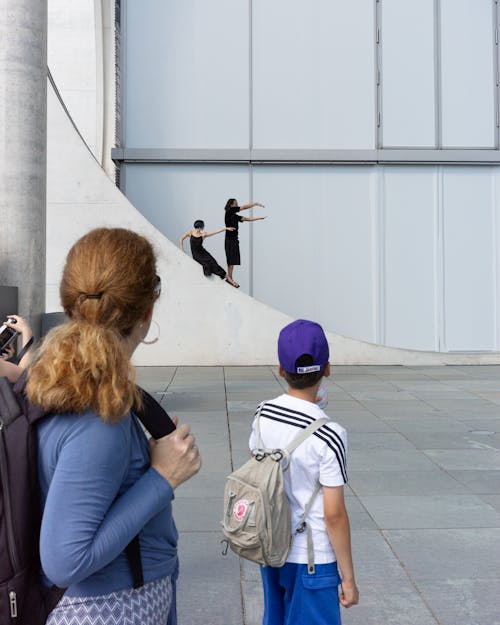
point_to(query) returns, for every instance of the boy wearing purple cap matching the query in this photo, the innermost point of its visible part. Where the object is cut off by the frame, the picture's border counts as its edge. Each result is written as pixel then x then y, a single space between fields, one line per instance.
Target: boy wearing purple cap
pixel 293 595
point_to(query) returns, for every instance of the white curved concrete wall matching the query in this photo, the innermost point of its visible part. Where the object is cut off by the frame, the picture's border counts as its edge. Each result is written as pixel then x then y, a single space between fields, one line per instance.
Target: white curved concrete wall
pixel 203 321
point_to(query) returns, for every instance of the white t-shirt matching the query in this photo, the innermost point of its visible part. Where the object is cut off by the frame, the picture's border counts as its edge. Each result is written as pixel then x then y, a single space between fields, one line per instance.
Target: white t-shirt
pixel 321 457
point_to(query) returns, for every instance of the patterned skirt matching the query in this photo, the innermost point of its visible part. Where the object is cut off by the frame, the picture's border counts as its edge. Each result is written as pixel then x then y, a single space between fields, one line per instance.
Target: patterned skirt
pixel 148 605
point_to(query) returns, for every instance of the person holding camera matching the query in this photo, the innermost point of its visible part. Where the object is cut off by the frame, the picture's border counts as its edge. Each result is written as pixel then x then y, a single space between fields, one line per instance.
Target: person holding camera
pixel 21 328
pixel 101 482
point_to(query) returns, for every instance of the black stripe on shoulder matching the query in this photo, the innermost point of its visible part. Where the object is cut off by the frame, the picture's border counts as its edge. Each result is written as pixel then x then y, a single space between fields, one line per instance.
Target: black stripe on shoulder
pixel 327 435
pixel 301 417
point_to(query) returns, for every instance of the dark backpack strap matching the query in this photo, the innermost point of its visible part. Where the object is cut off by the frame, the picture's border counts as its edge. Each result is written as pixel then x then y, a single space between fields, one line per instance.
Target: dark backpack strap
pixel 24 350
pixel 157 422
pixel 153 417
pixel 133 552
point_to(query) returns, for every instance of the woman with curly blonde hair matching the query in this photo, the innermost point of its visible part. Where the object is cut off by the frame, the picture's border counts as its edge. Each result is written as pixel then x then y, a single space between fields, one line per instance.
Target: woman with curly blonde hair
pixel 101 483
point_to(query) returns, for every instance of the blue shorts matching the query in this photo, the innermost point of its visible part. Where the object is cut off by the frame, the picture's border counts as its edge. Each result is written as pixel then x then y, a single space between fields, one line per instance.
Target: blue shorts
pixel 293 597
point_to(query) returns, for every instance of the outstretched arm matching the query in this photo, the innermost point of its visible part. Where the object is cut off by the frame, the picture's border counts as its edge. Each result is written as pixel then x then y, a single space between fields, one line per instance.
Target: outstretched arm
pixel 210 234
pixel 184 236
pixel 339 532
pixel 252 218
pixel 247 206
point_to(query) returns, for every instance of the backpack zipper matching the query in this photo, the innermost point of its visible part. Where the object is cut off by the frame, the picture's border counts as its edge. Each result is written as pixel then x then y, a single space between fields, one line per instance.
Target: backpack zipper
pixel 14 560
pixel 13 604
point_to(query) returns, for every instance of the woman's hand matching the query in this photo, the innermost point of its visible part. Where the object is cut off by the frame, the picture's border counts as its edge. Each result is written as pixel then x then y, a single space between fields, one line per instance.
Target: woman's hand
pixel 176 457
pixel 19 324
pixel 7 352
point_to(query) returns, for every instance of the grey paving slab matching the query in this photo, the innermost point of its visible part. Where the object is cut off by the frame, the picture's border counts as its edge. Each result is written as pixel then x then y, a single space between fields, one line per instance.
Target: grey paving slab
pixel 492 396
pixel 448 394
pixel 466 459
pixel 469 408
pixel 374 561
pixel 345 405
pixel 383 483
pixel 383 604
pixel 378 440
pixel 361 421
pixel 389 395
pixel 196 514
pixel 464 601
pixel 412 408
pixel 427 423
pixel 430 511
pixel 209 590
pixel 196 402
pixel 479 481
pixel 447 554
pixel 389 459
pixel 359 518
pixel 492 500
pixel 452 440
pixel 205 484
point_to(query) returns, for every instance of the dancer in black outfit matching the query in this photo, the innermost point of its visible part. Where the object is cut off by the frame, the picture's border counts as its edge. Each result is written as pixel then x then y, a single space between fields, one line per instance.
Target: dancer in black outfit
pixel 232 219
pixel 201 255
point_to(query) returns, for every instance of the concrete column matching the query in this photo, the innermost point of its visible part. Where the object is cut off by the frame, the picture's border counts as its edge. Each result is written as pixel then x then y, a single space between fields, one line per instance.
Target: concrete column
pixel 23 141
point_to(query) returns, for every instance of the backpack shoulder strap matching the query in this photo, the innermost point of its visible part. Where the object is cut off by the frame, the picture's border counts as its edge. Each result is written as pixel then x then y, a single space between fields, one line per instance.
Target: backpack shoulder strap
pixel 310 429
pixel 10 408
pixel 153 417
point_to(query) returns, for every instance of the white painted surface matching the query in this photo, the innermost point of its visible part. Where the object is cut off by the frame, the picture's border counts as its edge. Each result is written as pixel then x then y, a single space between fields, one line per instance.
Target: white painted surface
pixel 467 72
pixel 469 260
pixel 74 28
pixel 186 78
pixel 408 78
pixel 313 74
pixel 306 253
pixel 410 270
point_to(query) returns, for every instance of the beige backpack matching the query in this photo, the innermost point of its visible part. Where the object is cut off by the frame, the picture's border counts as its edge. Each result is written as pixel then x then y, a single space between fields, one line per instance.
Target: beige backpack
pixel 257 517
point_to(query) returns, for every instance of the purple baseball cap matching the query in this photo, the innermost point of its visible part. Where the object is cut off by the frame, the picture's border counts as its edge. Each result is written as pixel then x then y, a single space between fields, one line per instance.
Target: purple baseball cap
pixel 299 338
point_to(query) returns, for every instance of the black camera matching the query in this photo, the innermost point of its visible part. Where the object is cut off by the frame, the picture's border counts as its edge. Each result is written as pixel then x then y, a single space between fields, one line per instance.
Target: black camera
pixel 7 336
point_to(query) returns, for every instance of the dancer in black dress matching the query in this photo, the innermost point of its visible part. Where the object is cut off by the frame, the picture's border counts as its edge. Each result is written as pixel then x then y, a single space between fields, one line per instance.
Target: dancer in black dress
pixel 201 255
pixel 232 219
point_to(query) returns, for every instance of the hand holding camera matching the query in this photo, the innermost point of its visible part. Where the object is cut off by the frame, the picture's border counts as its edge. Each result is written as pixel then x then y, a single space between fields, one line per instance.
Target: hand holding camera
pixel 11 328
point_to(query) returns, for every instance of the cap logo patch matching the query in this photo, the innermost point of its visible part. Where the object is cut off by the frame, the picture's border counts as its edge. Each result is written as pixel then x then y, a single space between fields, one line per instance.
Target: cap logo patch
pixel 240 509
pixel 309 369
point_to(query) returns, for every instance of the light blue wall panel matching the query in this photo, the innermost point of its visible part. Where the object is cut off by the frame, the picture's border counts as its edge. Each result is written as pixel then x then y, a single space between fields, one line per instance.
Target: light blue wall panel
pixel 469 259
pixel 313 256
pixel 467 73
pixel 186 76
pixel 408 73
pixel 410 267
pixel 313 74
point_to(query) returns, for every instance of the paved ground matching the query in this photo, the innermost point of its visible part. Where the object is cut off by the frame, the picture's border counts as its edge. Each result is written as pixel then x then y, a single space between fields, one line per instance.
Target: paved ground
pixel 423 495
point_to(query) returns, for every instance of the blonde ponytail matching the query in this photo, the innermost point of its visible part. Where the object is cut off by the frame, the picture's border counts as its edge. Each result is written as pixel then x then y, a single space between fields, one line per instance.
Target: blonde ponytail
pixel 108 285
pixel 81 366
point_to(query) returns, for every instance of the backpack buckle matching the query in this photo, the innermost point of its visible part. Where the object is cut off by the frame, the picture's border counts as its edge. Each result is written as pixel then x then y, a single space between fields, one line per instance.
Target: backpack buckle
pixel 259 455
pixel 277 455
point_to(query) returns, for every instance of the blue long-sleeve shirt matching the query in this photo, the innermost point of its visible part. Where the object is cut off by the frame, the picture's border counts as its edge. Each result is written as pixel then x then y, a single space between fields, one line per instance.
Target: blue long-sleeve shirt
pixel 99 491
